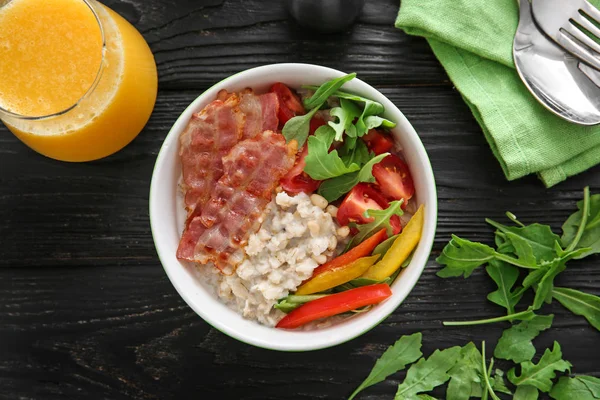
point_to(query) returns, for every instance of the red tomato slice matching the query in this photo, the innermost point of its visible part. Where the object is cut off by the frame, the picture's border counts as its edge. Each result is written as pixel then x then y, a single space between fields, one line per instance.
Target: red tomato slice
pixel 394 179
pixel 296 180
pixel 289 103
pixel 378 142
pixel 361 198
pixel 335 304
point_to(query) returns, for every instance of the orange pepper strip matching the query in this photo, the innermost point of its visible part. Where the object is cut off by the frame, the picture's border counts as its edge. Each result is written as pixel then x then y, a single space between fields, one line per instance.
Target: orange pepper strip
pixel 335 277
pixel 363 249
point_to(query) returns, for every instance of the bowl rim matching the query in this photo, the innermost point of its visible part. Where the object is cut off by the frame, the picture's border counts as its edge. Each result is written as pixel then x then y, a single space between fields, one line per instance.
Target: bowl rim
pixel 423 249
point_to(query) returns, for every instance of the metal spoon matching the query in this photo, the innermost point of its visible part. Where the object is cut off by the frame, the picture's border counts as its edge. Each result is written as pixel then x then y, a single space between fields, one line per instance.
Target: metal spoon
pixel 555 78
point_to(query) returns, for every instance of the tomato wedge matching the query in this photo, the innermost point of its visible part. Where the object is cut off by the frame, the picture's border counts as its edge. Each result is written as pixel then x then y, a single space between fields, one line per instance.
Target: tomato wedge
pixel 289 103
pixel 335 304
pixel 296 180
pixel 378 142
pixel 363 249
pixel 361 198
pixel 394 179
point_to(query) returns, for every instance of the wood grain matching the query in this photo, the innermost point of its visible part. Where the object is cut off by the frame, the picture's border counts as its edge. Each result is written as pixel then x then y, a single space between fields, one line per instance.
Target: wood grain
pixel 86 311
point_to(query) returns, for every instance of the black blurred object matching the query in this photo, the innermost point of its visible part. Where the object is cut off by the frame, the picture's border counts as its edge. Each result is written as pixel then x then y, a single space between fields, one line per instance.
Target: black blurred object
pixel 325 16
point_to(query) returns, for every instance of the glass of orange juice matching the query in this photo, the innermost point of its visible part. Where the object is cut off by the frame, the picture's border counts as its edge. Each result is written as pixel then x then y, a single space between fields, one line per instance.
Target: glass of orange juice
pixel 77 81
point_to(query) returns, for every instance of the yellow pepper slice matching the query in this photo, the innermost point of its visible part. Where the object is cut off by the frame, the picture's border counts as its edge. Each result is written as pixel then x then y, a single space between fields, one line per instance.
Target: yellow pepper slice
pixel 403 246
pixel 334 277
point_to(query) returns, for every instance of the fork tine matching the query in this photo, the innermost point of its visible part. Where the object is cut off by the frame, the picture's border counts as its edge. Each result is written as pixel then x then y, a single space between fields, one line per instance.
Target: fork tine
pixel 590 10
pixel 584 22
pixel 577 50
pixel 582 37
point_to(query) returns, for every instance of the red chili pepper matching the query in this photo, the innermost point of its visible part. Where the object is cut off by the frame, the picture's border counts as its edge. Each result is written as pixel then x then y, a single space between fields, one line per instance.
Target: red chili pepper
pixel 335 304
pixel 363 249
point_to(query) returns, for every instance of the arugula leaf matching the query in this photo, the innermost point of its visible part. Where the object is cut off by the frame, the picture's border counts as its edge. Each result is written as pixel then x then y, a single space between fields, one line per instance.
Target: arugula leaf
pixel 521 316
pixel 370 108
pixel 333 189
pixel 580 303
pixel 505 276
pixel 544 287
pixel 523 249
pixel 581 230
pixel 526 392
pixel 579 387
pixel 498 382
pixel 539 237
pixel 465 375
pixel 359 282
pixel 425 397
pixel 405 351
pixel 297 127
pixel 356 153
pixel 462 256
pixel 327 89
pixel 291 302
pixel 541 375
pixel 374 121
pixel 322 164
pixel 515 342
pixel 384 246
pixel 345 114
pixel 381 219
pixel 428 373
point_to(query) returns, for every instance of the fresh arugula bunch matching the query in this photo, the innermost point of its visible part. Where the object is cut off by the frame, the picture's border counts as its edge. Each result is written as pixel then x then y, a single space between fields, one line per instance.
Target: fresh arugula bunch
pixel 469 373
pixel 537 251
pixel 339 169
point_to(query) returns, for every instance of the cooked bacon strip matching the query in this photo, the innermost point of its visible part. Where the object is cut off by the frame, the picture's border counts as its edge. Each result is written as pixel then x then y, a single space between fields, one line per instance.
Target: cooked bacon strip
pixel 252 170
pixel 260 111
pixel 209 136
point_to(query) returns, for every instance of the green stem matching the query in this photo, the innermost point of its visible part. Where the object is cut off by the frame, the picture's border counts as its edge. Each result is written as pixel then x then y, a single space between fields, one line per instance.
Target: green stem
pixel 584 217
pixel 487 373
pixel 489 320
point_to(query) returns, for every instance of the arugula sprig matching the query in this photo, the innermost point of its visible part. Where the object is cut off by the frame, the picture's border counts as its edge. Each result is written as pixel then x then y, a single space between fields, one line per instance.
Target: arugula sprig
pixel 297 127
pixel 470 373
pixel 537 250
pixel 381 219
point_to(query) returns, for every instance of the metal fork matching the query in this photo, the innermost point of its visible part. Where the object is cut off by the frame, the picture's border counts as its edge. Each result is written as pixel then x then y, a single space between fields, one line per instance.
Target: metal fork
pixel 563 20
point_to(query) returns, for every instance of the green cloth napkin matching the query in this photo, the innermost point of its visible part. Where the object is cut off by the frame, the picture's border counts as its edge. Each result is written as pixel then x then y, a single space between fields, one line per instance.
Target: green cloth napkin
pixel 473 41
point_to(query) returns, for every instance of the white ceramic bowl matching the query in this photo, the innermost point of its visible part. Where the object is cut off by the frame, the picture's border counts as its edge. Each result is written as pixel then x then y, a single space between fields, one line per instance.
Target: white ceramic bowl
pixel 167 216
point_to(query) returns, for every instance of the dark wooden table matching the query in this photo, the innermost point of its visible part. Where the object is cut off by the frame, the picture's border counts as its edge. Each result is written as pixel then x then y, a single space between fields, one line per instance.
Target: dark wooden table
pixel 86 311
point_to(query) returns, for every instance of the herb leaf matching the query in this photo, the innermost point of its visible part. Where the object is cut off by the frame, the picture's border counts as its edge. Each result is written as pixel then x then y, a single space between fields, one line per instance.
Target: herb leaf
pixel 297 127
pixel 428 373
pixel 462 256
pixel 322 164
pixel 384 246
pixel 505 276
pixel 356 153
pixel 405 351
pixel 291 302
pixel 580 387
pixel 498 382
pixel 526 392
pixel 371 108
pixel 541 375
pixel 515 342
pixel 540 238
pixel 381 219
pixel 374 121
pixel 333 189
pixel 345 114
pixel 580 303
pixel 327 89
pixel 465 375
pixel 590 233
